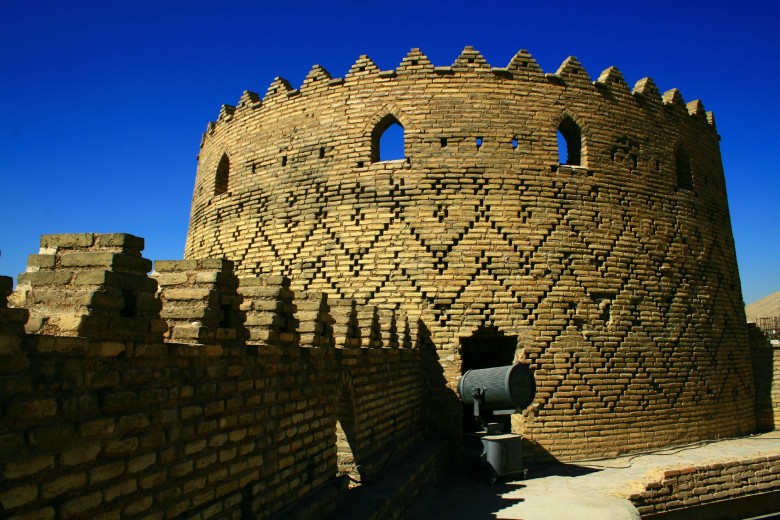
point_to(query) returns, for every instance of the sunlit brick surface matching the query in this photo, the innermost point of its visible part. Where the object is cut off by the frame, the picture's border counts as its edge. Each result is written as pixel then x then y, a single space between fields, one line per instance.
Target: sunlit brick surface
pixel 621 287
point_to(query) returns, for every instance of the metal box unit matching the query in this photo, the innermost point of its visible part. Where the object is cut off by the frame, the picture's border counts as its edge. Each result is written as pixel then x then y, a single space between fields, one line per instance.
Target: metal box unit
pixel 503 453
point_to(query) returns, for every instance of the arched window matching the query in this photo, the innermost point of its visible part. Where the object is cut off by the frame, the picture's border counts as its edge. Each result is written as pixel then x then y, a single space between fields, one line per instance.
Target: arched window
pixel 223 172
pixel 387 140
pixel 569 142
pixel 682 165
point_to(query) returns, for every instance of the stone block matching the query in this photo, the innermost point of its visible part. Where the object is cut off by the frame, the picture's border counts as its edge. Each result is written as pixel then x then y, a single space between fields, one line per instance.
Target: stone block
pixel 29 466
pixel 196 294
pixel 35 409
pixel 68 241
pixel 95 427
pixel 77 507
pixel 93 278
pixel 62 485
pixel 37 262
pixel 123 240
pixel 169 266
pixel 40 278
pixel 18 496
pixel 141 463
pixel 106 472
pixel 80 455
pixel 122 488
pixel 174 278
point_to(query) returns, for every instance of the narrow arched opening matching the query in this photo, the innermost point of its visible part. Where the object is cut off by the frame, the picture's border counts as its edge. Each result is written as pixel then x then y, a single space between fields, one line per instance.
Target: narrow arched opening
pixel 345 437
pixel 387 140
pixel 223 173
pixel 682 166
pixel 569 142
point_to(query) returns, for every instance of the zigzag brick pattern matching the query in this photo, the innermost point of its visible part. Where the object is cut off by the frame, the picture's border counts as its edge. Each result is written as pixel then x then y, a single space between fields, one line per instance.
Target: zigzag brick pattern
pixel 618 279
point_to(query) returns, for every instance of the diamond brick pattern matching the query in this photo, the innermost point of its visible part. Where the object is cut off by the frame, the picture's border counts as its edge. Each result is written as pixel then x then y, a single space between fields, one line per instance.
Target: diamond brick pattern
pixel 621 288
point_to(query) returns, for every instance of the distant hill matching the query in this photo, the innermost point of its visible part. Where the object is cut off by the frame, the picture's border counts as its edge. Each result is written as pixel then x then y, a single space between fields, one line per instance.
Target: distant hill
pixel 766 307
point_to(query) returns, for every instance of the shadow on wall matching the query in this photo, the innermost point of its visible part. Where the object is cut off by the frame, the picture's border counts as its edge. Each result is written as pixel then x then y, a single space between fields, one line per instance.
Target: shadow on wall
pixel 765 359
pixel 464 493
pixel 441 405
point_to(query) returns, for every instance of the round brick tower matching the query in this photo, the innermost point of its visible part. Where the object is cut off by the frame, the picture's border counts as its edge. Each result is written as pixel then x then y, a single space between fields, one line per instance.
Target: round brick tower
pixel 611 272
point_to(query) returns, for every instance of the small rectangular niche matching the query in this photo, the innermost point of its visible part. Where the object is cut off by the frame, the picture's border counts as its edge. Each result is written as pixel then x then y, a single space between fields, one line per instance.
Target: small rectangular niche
pixel 130 307
pixel 226 320
pixel 478 142
pixel 443 142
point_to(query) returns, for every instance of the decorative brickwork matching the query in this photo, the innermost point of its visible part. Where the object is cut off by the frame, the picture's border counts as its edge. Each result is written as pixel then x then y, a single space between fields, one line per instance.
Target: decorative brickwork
pixel 616 273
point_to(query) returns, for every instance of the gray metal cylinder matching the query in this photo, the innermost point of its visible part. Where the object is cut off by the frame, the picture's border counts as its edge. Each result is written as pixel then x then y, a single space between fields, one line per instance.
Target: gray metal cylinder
pixel 503 388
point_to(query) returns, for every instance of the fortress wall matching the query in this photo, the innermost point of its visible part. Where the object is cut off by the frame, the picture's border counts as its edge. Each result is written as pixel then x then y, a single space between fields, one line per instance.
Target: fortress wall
pixel 766 373
pixel 621 286
pixel 213 419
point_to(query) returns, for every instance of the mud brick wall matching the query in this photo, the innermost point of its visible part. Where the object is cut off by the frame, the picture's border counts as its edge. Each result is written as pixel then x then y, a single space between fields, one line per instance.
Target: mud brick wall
pixel 616 274
pixel 212 422
pixel 701 485
pixel 766 373
pixel 156 431
pixel 379 408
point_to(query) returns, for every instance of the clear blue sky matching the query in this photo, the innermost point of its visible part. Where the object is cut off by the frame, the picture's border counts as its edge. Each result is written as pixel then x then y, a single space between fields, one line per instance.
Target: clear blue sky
pixel 102 103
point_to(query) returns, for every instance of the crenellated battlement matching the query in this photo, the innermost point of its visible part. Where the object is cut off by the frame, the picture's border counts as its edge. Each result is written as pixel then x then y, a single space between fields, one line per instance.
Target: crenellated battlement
pixel 522 72
pixel 95 286
pixel 190 391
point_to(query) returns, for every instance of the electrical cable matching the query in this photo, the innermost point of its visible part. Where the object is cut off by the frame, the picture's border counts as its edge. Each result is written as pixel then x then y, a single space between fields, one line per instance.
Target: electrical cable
pixel 666 451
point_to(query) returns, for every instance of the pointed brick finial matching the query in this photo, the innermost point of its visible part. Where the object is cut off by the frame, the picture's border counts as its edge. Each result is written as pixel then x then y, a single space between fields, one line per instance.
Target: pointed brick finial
pixel 572 72
pixel 249 100
pixel 317 74
pixel 470 59
pixel 647 90
pixel 710 118
pixel 415 61
pixel 695 108
pixel 279 87
pixel 362 67
pixel 612 80
pixel 673 97
pixel 225 112
pixel 523 64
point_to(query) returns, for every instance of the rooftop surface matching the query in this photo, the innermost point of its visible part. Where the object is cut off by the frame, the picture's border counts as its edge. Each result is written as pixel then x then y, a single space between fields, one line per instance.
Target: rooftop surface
pixel 583 490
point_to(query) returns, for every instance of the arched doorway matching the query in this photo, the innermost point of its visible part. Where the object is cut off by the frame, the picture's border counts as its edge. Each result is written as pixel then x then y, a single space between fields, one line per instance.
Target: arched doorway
pixel 487 347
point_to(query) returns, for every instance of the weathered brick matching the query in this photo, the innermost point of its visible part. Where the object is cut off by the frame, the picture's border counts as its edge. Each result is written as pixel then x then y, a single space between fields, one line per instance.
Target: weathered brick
pixel 63 484
pixel 80 455
pixel 106 472
pixel 36 409
pixel 18 496
pixel 97 427
pixel 80 505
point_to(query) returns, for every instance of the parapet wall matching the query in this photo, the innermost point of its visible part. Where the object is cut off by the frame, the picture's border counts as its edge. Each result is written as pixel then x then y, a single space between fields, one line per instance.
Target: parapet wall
pixel 617 275
pixel 217 397
pixel 711 485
